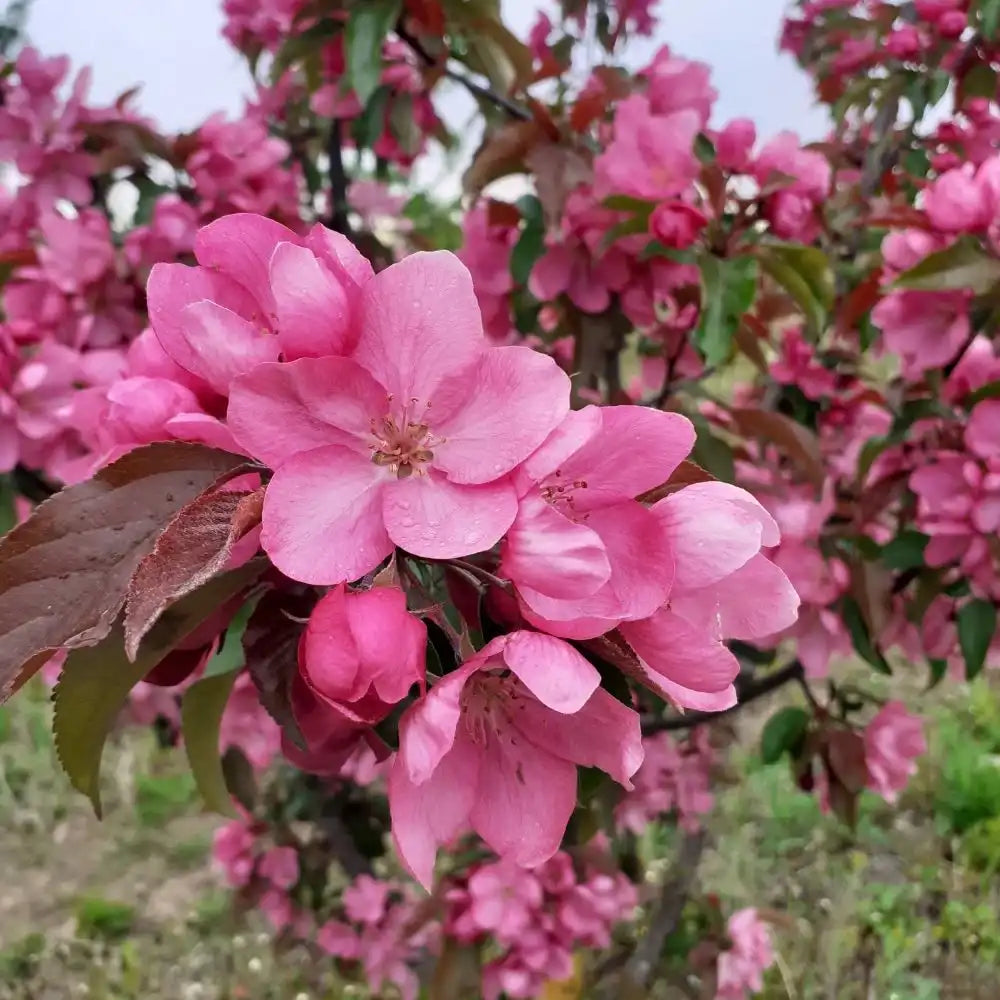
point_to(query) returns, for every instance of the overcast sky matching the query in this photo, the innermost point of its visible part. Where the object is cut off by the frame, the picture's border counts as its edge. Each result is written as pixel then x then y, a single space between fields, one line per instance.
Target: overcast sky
pixel 187 70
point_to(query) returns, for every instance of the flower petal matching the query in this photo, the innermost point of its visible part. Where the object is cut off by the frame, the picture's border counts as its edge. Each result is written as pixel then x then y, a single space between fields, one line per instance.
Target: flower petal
pixel 578 427
pixel 240 246
pixel 603 733
pixel 524 802
pixel 552 554
pixel 222 345
pixel 676 656
pixel 433 813
pixel 429 516
pixel 279 410
pixel 714 529
pixel 757 600
pixel 636 449
pixel 494 416
pixel 342 258
pixel 314 315
pixel 420 323
pixel 552 670
pixel 323 516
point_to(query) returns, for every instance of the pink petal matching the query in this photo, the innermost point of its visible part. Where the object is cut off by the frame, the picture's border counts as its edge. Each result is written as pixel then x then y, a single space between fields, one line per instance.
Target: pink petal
pixel 603 733
pixel 571 624
pixel 757 600
pixel 572 434
pixel 492 417
pixel 342 258
pixel 223 345
pixel 204 429
pixel 982 435
pixel 551 554
pixel 330 654
pixel 552 670
pixel 679 659
pixel 525 799
pixel 636 449
pixel 429 727
pixel 172 287
pixel 240 246
pixel 427 815
pixel 714 529
pixel 420 322
pixel 314 315
pixel 641 558
pixel 323 516
pixel 429 516
pixel 278 410
pixel 550 276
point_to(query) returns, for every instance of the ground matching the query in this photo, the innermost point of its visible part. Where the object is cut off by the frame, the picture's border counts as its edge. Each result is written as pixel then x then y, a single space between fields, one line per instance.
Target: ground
pixel 905 908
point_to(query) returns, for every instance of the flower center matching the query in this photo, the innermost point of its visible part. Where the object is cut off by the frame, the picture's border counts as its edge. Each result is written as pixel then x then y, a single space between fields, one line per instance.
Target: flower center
pixel 486 702
pixel 561 495
pixel 402 444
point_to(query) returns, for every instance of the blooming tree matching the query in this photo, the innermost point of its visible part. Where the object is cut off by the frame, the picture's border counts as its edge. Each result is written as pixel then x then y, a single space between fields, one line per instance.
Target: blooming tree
pixel 441 532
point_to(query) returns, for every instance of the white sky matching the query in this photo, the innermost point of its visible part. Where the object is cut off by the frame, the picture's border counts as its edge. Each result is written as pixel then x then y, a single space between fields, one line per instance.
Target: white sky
pixel 187 70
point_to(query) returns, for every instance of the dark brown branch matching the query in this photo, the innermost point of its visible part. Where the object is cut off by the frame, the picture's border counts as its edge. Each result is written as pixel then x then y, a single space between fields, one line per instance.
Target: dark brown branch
pixel 474 87
pixel 339 208
pixel 746 693
pixel 30 484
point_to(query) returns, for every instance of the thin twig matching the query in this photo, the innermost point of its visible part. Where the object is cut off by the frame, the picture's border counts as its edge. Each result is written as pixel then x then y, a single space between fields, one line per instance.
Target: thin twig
pixel 669 908
pixel 747 693
pixel 339 208
pixel 483 574
pixel 474 87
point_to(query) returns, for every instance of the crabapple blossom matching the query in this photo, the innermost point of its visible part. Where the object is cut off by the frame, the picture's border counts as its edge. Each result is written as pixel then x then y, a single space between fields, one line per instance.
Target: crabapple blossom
pixel 894 739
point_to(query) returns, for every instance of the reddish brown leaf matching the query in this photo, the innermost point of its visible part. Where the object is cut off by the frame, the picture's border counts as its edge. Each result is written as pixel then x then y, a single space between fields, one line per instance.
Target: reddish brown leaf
pixel 64 573
pixel 502 152
pixel 685 474
pixel 798 443
pixel 194 546
pixel 748 336
pixel 271 651
pixel 859 302
pixel 871 587
pixel 502 213
pixel 845 753
pixel 558 170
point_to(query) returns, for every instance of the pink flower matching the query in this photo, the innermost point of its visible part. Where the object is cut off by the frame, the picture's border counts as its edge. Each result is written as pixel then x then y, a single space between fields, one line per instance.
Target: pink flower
pixel 740 968
pixel 677 224
pixel 339 939
pixel 410 442
pixel 982 435
pixel 494 747
pixel 581 546
pixel 232 851
pixel 365 900
pixel 958 203
pixel 797 365
pixel 894 739
pixel 257 278
pixel 723 588
pixel 362 651
pixel 651 156
pixel 927 329
pixel 734 144
pixel 280 866
pixel 247 725
pixel 677 84
pixel 504 899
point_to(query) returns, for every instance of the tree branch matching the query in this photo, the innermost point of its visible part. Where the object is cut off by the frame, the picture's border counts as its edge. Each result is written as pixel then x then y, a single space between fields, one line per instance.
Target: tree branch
pixel 667 913
pixel 339 208
pixel 748 692
pixel 474 87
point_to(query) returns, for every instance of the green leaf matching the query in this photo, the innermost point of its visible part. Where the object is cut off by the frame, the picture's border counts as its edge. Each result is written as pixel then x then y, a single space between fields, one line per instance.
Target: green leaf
pixel 626 203
pixel 711 452
pixel 980 81
pixel 367 27
pixel 201 718
pixel 96 681
pixel 989 19
pixel 704 148
pixel 784 733
pixel 989 391
pixel 861 638
pixel 627 227
pixel 728 288
pixel 977 621
pixel 938 670
pixel 804 272
pixel 368 126
pixel 906 550
pixel 964 265
pixel 529 247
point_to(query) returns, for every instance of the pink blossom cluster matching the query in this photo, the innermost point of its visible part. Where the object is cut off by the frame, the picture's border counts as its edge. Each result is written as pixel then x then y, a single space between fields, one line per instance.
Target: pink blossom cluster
pixel 384 928
pixel 391 422
pixel 750 954
pixel 675 778
pixel 537 920
pixel 894 740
